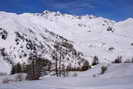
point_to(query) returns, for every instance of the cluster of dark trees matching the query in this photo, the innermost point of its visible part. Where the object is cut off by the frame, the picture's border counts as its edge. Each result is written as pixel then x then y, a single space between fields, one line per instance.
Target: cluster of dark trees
pixel 38 67
pixel 59 68
pixel 35 69
pixel 119 60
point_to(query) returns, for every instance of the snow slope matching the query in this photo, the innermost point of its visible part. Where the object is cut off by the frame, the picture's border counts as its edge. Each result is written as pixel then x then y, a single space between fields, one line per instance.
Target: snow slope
pixel 91 35
pixel 20 39
pixel 120 78
pixel 94 36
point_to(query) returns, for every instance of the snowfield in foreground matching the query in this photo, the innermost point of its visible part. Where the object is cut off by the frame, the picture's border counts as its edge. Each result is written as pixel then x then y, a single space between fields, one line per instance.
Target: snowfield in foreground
pixel 118 76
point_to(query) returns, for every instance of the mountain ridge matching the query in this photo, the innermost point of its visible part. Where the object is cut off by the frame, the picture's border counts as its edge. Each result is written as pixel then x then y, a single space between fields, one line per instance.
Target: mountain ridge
pixel 89 36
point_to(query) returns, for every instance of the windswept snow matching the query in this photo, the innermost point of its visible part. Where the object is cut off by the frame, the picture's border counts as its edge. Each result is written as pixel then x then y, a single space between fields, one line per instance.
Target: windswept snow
pixel 118 76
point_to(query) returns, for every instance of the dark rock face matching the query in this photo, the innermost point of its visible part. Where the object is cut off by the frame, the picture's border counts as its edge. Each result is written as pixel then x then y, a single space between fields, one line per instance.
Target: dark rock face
pixel 3 34
pixel 110 29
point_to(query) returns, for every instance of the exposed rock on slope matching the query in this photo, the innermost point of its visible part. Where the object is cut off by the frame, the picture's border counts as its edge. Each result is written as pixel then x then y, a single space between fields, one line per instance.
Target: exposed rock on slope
pixel 28 33
pixel 18 42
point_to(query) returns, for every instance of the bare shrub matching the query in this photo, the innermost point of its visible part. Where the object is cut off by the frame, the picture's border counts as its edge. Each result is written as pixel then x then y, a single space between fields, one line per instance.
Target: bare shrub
pixel 118 60
pixel 111 48
pixel 95 61
pixel 103 69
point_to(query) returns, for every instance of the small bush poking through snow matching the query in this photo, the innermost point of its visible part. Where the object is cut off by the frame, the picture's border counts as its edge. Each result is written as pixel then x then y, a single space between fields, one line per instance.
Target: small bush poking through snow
pixel 118 60
pixel 131 44
pixel 111 48
pixel 103 69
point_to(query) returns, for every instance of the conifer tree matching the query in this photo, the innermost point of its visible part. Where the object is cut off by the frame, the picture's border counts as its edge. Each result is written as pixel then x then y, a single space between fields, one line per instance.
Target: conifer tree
pixel 95 61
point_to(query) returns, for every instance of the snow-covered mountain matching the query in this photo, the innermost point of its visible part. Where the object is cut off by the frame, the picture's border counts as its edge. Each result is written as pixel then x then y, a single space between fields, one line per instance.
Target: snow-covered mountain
pixel 75 37
pixel 94 36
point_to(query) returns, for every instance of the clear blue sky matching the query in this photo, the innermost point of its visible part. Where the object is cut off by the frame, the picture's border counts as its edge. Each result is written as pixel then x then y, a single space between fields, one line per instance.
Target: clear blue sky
pixel 113 9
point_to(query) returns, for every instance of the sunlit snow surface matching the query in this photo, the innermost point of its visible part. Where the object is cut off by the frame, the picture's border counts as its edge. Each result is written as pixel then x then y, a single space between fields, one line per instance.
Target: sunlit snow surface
pixel 88 34
pixel 118 76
